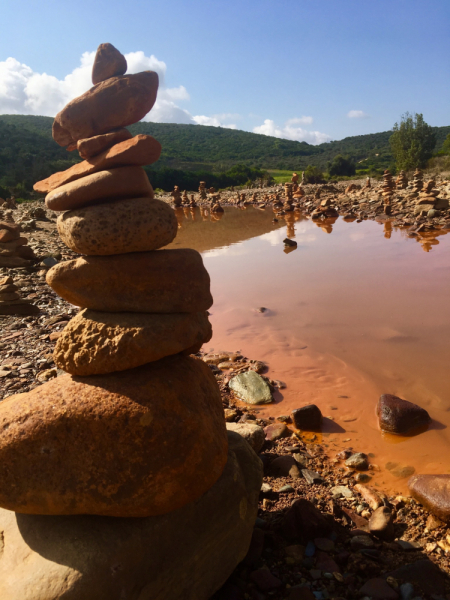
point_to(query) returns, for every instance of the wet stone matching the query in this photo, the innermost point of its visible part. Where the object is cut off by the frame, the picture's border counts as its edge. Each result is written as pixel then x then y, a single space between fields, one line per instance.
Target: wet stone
pixel 357 461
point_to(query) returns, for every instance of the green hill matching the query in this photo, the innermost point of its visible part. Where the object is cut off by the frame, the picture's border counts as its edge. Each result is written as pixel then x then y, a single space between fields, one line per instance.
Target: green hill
pixel 28 152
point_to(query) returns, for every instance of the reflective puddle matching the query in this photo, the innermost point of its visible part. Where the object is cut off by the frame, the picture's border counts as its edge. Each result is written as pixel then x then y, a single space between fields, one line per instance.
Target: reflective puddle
pixel 356 310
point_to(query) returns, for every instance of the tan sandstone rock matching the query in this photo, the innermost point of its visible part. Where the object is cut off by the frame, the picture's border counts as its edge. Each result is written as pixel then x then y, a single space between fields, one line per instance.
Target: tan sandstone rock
pixel 138 151
pixel 116 102
pixel 123 182
pixel 95 342
pixel 163 281
pixel 119 227
pixel 92 146
pixel 100 558
pixel 130 444
pixel 109 62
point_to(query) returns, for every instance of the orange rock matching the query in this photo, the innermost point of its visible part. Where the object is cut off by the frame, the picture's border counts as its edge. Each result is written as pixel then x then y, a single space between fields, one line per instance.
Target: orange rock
pixel 123 182
pixel 118 227
pixel 96 342
pixel 140 150
pixel 163 281
pixel 116 102
pixel 109 62
pixel 92 146
pixel 131 444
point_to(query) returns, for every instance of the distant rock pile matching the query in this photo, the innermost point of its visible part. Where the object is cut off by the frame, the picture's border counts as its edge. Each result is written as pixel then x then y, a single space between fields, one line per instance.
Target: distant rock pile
pixel 14 251
pixel 136 428
pixel 417 183
pixel 11 302
pixel 401 182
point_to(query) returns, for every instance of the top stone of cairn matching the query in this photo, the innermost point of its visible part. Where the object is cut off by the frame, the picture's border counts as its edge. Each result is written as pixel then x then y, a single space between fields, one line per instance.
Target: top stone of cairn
pixel 109 62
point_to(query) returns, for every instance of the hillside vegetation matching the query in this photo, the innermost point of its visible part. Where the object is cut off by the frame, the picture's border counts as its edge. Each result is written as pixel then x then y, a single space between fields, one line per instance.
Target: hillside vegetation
pixel 28 152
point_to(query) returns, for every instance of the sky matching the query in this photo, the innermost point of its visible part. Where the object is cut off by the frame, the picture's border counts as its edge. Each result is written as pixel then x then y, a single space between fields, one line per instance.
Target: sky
pixel 306 70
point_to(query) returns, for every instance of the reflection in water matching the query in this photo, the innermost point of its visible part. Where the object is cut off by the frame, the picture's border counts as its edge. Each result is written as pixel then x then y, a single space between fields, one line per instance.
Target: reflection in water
pixel 388 230
pixel 351 317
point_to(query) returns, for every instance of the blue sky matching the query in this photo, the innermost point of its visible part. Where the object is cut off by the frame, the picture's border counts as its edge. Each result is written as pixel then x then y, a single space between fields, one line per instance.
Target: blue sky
pixel 304 69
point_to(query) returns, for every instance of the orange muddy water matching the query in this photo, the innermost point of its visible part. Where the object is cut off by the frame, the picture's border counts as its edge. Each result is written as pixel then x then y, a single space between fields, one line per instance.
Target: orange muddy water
pixel 357 310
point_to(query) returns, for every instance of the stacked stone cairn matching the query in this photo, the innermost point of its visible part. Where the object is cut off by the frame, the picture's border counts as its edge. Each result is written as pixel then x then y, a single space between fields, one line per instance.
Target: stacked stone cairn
pixel 401 182
pixel 417 183
pixel 427 200
pixel 9 203
pixel 202 190
pixel 133 435
pixel 10 301
pixel 192 202
pixel 287 206
pixel 387 190
pixel 14 251
pixel 184 197
pixel 176 195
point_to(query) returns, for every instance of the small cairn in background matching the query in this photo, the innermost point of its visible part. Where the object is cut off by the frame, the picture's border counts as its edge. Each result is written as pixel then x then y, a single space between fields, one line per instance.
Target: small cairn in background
pixel 176 195
pixel 10 301
pixel 401 182
pixel 417 183
pixel 387 190
pixel 202 190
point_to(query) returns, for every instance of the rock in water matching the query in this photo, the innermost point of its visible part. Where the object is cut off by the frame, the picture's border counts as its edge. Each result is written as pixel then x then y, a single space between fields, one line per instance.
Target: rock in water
pixel 251 388
pixel 138 151
pixel 119 227
pixel 116 102
pixel 129 444
pixel 163 281
pixel 308 418
pixel 99 342
pixel 433 491
pixel 124 182
pixel 400 416
pixel 109 62
pixel 99 558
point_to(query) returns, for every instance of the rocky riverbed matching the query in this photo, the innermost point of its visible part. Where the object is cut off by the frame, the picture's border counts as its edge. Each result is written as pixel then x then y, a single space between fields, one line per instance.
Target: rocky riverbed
pixel 322 531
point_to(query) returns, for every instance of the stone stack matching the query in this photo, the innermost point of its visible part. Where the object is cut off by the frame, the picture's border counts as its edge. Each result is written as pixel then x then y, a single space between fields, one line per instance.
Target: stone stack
pixel 417 183
pixel 192 202
pixel 135 428
pixel 184 197
pixel 401 182
pixel 387 190
pixel 14 251
pixel 429 193
pixel 176 195
pixel 288 202
pixel 8 204
pixel 202 190
pixel 11 302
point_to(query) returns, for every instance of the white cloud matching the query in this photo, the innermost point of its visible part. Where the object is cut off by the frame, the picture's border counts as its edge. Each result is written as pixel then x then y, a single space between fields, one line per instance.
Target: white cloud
pixel 300 121
pixel 292 131
pixel 23 91
pixel 217 120
pixel 357 114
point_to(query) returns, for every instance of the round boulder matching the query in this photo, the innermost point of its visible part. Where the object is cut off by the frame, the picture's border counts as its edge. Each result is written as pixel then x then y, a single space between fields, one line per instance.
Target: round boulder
pixel 95 343
pixel 130 444
pixel 176 556
pixel 119 227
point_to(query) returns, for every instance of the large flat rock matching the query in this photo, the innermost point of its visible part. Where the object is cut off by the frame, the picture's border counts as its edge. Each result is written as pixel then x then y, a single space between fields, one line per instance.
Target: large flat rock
pixel 163 281
pixel 119 227
pixel 138 151
pixel 123 182
pixel 135 443
pixel 95 342
pixel 115 102
pixel 185 555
